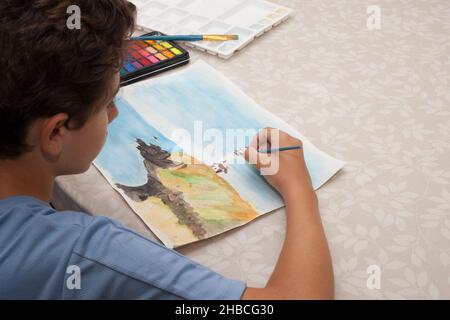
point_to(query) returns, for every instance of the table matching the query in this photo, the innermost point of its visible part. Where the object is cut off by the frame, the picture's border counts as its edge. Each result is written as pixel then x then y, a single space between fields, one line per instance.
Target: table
pixel 378 99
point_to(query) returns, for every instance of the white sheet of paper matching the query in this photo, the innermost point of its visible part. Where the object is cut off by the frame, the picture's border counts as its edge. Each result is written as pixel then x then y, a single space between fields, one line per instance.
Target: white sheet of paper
pixel 197 100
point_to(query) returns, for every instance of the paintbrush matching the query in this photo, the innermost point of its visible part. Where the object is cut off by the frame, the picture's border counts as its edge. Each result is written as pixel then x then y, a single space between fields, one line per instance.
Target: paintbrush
pixel 280 149
pixel 241 152
pixel 195 37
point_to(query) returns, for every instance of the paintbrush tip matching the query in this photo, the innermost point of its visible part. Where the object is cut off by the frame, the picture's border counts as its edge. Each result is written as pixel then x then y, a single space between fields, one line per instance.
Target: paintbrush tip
pixel 220 37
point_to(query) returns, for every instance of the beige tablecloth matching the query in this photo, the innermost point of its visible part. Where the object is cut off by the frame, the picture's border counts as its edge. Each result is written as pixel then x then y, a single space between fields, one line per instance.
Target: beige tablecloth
pixel 378 99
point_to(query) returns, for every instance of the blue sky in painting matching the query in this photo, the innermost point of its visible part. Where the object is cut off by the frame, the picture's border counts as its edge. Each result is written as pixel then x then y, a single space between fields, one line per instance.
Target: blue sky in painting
pixel 194 97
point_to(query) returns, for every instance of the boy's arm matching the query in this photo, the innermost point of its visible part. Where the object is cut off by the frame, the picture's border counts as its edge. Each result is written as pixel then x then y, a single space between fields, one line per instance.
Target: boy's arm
pixel 304 269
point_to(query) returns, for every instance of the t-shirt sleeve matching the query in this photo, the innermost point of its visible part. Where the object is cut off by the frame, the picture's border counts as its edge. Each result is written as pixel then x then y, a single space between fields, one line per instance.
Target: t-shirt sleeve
pixel 114 262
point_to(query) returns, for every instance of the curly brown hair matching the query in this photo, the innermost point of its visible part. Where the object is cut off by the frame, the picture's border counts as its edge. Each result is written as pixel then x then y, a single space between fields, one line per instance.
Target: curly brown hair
pixel 49 69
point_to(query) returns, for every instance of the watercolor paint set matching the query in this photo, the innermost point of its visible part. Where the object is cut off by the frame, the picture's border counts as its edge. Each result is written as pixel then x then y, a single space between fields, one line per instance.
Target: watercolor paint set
pixel 247 18
pixel 146 58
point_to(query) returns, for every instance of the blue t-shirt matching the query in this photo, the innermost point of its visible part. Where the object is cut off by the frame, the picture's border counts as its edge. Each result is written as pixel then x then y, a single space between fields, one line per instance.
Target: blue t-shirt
pixel 46 254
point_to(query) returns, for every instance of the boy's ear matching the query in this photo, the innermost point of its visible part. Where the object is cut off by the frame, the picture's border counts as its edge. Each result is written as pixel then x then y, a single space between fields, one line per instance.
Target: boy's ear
pixel 53 132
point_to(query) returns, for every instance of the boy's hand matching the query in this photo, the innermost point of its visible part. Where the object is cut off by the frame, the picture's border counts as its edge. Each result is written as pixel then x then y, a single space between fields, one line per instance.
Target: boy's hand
pixel 304 269
pixel 291 175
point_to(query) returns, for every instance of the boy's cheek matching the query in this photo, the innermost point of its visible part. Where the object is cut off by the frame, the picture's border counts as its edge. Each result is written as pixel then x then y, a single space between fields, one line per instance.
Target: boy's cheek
pixel 90 140
pixel 99 134
pixel 113 114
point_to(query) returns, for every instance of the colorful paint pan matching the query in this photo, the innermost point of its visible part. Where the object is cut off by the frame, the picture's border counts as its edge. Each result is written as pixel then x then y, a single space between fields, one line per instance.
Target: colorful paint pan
pixel 168 54
pixel 147 58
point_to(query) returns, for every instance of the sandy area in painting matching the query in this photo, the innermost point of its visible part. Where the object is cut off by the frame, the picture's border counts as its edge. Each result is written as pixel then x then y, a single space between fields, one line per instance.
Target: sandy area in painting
pixel 218 204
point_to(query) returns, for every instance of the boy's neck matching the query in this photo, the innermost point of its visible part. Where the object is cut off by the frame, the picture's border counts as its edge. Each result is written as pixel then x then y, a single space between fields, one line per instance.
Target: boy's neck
pixel 25 177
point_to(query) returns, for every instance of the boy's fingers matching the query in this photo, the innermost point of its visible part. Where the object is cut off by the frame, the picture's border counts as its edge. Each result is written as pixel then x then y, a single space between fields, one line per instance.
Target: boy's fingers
pixel 277 138
pixel 253 145
pixel 273 135
pixel 260 142
pixel 265 138
pixel 263 142
pixel 260 160
pixel 251 155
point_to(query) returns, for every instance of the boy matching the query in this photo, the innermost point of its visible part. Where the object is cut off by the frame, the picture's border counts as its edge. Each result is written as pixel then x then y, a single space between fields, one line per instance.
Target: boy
pixel 56 101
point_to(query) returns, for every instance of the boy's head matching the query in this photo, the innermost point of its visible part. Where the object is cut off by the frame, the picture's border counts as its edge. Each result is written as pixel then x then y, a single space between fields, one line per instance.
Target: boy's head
pixel 58 84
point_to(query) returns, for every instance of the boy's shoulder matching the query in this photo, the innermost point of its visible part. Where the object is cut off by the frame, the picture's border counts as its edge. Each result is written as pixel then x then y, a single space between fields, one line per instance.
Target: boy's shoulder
pixel 24 208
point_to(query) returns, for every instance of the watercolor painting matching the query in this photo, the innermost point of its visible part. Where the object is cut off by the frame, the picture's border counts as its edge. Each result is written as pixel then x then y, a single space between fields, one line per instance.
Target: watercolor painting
pixel 182 193
pixel 180 199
